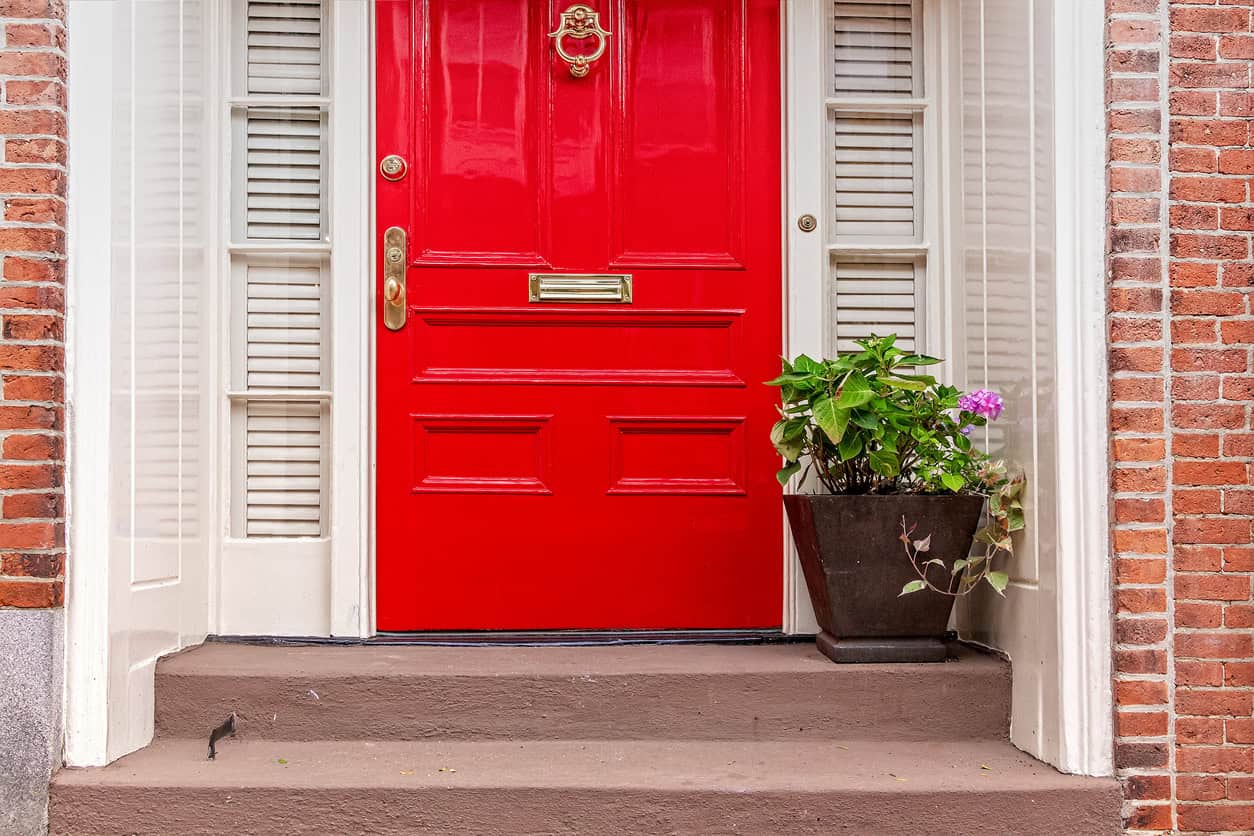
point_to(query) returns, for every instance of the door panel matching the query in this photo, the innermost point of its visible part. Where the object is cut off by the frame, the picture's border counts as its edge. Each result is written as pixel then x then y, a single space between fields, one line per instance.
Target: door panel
pixel 568 466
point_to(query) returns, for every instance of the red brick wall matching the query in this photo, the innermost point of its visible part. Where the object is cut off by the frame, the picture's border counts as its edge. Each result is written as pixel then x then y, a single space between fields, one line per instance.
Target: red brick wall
pixel 32 303
pixel 1181 332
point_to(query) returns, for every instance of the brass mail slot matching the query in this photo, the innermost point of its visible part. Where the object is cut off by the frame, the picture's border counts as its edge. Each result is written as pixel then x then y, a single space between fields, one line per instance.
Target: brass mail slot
pixel 579 287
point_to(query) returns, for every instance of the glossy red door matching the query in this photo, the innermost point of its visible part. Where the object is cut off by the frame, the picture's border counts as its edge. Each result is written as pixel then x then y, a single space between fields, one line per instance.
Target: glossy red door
pixel 596 466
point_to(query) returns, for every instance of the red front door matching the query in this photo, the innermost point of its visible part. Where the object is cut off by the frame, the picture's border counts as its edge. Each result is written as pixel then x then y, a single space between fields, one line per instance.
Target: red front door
pixel 552 463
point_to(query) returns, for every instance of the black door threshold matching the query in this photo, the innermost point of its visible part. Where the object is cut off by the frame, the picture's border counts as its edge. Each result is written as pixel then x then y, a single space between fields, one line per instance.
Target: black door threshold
pixel 538 638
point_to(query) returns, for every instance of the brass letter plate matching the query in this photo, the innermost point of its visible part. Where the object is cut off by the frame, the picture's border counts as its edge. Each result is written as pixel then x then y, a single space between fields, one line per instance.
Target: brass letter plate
pixel 579 287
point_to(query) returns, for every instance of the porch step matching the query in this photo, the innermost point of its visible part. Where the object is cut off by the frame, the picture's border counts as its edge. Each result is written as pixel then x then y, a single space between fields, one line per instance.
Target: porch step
pixel 584 787
pixel 688 692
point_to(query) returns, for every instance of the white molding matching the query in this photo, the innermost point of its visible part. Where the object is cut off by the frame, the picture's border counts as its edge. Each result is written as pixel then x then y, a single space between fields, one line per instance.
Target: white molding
pixel 87 379
pixel 1084 628
pixel 805 253
pixel 352 320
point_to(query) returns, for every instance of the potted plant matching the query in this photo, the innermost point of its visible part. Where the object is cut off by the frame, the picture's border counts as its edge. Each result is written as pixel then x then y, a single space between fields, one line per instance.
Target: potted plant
pixel 896 495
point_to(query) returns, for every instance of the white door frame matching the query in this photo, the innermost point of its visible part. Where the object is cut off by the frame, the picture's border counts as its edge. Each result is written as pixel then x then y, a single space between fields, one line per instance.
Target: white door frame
pixel 1083 553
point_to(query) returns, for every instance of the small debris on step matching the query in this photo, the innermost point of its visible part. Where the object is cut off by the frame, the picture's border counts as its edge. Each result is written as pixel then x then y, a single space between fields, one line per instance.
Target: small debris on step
pixel 227 729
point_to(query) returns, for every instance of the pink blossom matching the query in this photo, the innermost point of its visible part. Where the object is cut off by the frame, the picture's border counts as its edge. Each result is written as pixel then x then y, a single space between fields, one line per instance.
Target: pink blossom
pixel 982 402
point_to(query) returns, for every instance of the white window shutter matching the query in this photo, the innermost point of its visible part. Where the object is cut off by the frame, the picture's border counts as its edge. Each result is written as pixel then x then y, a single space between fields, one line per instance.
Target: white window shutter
pixel 284 327
pixel 874 296
pixel 284 183
pixel 875 177
pixel 284 44
pixel 283 469
pixel 874 47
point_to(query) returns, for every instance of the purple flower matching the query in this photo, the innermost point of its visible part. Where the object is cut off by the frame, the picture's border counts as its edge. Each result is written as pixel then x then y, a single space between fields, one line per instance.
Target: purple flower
pixel 982 402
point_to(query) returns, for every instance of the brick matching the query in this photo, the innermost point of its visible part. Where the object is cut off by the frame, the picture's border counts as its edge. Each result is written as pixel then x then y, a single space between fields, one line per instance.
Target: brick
pixel 1208 473
pixel 1198 558
pixel 1211 530
pixel 1200 730
pixel 1149 817
pixel 1213 703
pixel 1199 673
pixel 1188 19
pixel 1217 817
pixel 33 214
pixel 1147 787
pixel 27 593
pixel 1140 692
pixel 1214 759
pixel 1209 588
pixel 1139 450
pixel 1201 787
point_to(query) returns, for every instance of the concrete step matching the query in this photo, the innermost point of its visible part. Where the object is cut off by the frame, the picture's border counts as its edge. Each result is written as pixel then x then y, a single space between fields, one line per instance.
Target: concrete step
pixel 584 787
pixel 678 692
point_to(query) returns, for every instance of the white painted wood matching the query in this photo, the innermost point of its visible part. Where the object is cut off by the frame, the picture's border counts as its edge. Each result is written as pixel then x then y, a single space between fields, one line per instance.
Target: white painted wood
pixel 318 568
pixel 140 435
pixel 1086 731
pixel 351 489
pixel 284 46
pixel 87 375
pixel 806 252
pixel 1033 309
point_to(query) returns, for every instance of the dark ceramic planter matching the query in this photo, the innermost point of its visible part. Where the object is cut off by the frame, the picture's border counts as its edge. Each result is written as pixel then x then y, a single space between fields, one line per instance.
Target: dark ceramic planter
pixel 855 567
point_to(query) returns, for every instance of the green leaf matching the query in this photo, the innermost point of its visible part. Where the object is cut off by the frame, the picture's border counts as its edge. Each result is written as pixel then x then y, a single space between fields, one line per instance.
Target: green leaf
pixel 786 473
pixel 919 360
pixel 884 462
pixel 855 391
pixel 998 581
pixel 953 482
pixel 925 545
pixel 959 565
pixel 850 446
pixel 789 378
pixel 902 383
pixel 865 420
pixel 807 365
pixel 913 586
pixel 831 419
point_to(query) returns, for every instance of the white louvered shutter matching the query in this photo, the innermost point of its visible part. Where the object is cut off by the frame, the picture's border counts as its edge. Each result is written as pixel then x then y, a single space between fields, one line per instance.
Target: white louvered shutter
pixel 874 47
pixel 283 445
pixel 283 470
pixel 284 327
pixel 279 369
pixel 283 179
pixel 880 256
pixel 875 297
pixel 284 45
pixel 875 176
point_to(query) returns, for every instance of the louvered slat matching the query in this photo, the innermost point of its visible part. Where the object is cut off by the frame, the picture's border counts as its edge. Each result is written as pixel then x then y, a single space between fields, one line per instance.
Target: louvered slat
pixel 284 44
pixel 873 47
pixel 874 297
pixel 283 469
pixel 283 176
pixel 875 177
pixel 284 327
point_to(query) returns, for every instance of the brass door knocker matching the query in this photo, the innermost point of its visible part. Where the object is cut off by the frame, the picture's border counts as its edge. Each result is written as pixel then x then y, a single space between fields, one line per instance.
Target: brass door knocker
pixel 579 21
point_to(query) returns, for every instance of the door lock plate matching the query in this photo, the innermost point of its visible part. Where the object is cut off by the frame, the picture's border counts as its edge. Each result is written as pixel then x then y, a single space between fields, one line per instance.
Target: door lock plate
pixel 394 252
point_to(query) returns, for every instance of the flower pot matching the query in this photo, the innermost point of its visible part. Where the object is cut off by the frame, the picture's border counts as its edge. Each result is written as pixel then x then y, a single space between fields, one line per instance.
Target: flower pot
pixel 856 565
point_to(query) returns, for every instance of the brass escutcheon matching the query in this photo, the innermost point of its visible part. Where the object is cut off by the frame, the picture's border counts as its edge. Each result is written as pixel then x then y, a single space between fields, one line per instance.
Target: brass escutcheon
pixel 580 21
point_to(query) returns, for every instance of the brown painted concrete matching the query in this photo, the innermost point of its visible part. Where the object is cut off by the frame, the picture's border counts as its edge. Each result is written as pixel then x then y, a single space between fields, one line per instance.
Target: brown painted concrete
pixel 609 740
pixel 582 787
pixel 693 692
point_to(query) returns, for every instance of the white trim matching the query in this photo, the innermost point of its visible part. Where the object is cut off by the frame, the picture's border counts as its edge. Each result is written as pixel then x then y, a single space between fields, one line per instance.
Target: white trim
pixel 1084 631
pixel 87 380
pixel 352 321
pixel 805 253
